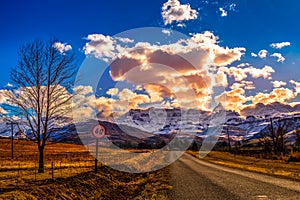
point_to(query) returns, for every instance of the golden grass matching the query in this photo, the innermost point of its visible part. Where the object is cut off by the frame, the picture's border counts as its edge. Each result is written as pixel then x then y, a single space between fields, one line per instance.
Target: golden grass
pixel 107 184
pixel 73 176
pixel 278 168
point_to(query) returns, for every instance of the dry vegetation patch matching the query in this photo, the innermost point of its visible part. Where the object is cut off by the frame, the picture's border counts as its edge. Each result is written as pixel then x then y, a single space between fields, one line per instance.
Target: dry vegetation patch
pixel 278 168
pixel 74 177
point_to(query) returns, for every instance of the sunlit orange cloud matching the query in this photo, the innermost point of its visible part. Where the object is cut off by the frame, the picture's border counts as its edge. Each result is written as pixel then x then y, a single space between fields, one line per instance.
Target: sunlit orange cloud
pixel 247 85
pixel 104 106
pixel 133 99
pixel 233 99
pixel 226 56
pixel 86 105
pixel 277 95
pixel 197 64
pixel 205 44
pixel 157 92
pixel 178 79
pixel 162 81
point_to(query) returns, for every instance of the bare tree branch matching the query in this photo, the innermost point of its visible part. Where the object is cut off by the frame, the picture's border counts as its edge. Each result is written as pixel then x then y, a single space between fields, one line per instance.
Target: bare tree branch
pixel 42 95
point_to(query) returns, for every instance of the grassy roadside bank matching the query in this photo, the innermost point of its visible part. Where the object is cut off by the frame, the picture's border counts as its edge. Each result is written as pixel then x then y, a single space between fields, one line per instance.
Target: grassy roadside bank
pixel 73 176
pixel 106 184
pixel 277 168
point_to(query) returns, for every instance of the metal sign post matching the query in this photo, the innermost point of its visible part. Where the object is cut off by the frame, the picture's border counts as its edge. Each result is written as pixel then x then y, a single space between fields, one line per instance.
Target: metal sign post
pixel 96 156
pixel 98 132
pixel 12 138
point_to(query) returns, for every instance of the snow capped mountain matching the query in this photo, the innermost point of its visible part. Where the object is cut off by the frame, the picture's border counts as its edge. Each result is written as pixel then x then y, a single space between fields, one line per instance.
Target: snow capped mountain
pixel 157 125
pixel 163 121
pixel 254 122
pixel 269 110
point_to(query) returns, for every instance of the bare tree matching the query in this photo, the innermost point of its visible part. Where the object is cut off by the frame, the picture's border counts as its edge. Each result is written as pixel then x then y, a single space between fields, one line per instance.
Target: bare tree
pixel 297 138
pixel 41 95
pixel 278 135
pixel 228 139
pixel 266 142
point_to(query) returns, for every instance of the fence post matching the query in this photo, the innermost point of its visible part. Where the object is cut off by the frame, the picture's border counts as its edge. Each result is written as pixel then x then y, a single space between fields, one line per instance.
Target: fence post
pixel 35 171
pixel 52 166
pixel 96 156
pixel 19 170
pixel 60 169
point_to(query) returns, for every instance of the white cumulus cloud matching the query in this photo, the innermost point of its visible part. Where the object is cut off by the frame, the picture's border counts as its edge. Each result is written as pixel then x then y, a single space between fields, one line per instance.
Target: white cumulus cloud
pixel 279 57
pixel 223 12
pixel 167 32
pixel 280 45
pixel 278 84
pixel 263 53
pixel 254 54
pixel 174 11
pixel 62 47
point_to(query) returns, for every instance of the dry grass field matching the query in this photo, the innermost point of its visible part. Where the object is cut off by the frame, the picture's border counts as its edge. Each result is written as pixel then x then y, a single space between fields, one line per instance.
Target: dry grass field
pixel 73 176
pixel 278 168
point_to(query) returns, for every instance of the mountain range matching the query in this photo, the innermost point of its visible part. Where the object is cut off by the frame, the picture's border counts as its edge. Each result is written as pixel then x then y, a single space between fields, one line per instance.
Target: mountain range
pixel 157 127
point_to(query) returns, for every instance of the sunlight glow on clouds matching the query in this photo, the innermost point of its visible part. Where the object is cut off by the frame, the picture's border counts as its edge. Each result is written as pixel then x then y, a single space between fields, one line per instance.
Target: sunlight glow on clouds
pixel 137 62
pixel 277 95
pixel 233 99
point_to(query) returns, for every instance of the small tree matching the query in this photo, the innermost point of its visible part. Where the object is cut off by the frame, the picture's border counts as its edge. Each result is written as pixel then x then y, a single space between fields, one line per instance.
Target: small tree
pixel 41 95
pixel 277 136
pixel 266 143
pixel 297 139
pixel 228 139
pixel 194 146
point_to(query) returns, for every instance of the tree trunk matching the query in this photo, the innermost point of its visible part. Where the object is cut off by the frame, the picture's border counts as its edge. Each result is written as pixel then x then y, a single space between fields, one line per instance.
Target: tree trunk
pixel 228 137
pixel 41 160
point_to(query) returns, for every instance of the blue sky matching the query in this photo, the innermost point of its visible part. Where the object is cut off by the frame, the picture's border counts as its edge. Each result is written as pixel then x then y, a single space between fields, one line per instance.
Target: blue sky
pixel 253 24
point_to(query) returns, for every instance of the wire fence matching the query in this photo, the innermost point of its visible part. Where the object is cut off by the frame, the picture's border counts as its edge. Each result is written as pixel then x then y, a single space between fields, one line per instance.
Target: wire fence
pixel 52 171
pixel 61 161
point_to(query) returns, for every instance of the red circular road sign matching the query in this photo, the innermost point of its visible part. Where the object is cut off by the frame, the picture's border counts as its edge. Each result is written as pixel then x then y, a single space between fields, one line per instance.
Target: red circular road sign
pixel 99 131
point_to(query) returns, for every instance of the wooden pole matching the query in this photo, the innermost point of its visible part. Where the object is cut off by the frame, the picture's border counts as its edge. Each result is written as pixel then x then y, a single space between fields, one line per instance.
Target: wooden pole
pixel 52 168
pixel 96 156
pixel 35 174
pixel 12 140
pixel 229 146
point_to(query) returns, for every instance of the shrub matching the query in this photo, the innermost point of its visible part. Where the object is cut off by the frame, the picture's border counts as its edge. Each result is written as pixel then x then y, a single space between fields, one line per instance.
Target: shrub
pixel 295 157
